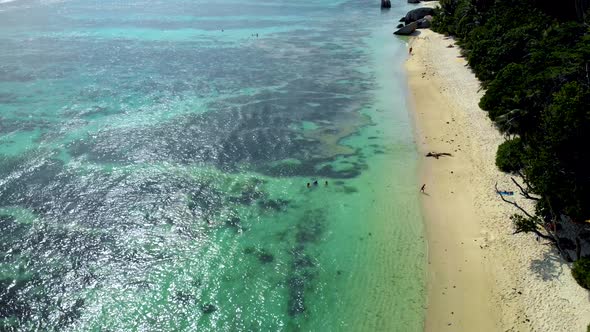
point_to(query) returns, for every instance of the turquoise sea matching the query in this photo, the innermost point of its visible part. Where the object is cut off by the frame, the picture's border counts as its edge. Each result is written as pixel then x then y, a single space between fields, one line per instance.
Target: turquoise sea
pixel 155 156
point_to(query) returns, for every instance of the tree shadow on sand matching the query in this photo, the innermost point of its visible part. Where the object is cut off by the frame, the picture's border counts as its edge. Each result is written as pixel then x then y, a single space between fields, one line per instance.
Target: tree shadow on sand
pixel 549 267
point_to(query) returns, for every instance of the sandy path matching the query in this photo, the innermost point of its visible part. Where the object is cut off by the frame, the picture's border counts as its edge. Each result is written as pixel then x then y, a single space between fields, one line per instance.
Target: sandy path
pixel 481 277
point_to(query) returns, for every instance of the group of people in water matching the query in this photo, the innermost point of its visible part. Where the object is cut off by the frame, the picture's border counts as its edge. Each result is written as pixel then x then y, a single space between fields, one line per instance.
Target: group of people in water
pixel 252 35
pixel 315 184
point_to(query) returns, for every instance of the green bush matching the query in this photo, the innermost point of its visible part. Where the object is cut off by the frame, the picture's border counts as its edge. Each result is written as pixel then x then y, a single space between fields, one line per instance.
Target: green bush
pixel 509 155
pixel 581 272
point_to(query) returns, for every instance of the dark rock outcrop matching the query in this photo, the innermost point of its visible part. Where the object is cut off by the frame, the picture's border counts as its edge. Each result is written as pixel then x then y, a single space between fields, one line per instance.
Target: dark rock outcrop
pixel 416 14
pixel 385 4
pixel 413 1
pixel 401 25
pixel 407 29
pixel 424 23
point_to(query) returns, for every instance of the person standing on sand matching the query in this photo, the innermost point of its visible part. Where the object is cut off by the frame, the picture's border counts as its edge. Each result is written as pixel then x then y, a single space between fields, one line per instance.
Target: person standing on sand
pixel 423 187
pixel 410 51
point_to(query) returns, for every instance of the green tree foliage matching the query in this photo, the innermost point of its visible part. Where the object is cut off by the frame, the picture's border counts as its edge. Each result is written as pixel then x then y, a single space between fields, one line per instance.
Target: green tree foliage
pixel 559 153
pixel 534 64
pixel 509 155
pixel 581 272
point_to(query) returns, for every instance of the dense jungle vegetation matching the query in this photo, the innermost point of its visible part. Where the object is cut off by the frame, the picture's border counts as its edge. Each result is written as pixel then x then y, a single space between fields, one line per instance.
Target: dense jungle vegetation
pixel 532 58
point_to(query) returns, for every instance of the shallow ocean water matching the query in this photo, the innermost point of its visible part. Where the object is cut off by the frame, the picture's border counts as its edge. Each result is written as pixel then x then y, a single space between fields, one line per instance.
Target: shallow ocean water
pixel 154 161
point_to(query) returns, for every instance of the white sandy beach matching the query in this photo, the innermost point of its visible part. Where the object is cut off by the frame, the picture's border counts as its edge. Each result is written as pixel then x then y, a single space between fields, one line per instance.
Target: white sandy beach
pixel 481 276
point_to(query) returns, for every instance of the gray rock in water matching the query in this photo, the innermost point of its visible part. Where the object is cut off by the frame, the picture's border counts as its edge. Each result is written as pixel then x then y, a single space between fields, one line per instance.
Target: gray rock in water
pixel 385 4
pixel 413 1
pixel 208 308
pixel 407 30
pixel 418 13
pixel 400 25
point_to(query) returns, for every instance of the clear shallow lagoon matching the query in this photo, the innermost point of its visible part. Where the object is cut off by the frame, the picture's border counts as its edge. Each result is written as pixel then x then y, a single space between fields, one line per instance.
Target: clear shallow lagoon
pixel 154 157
